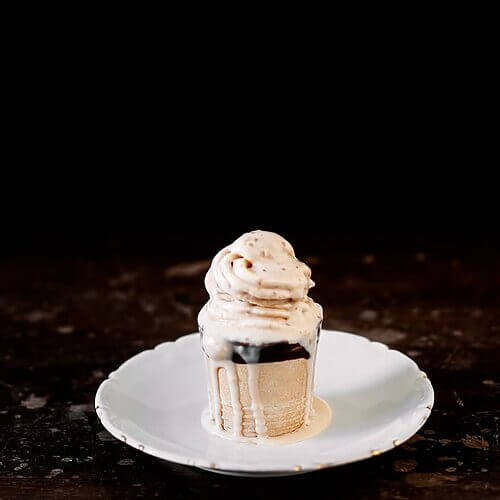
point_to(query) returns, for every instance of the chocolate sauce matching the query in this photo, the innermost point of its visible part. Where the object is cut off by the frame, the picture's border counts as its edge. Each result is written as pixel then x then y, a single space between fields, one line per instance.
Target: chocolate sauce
pixel 245 353
pixel 267 353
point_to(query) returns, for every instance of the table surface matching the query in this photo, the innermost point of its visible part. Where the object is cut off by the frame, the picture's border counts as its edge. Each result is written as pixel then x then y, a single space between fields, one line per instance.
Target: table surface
pixel 65 323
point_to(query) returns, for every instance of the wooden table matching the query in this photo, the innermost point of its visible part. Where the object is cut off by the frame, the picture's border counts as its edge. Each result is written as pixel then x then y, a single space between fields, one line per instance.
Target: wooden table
pixel 66 322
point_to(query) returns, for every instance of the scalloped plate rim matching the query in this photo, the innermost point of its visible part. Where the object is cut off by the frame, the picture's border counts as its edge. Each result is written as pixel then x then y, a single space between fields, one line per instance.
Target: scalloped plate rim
pixel 247 469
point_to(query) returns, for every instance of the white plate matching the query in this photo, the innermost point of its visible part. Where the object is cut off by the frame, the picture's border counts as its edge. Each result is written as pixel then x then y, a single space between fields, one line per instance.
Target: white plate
pixel 379 399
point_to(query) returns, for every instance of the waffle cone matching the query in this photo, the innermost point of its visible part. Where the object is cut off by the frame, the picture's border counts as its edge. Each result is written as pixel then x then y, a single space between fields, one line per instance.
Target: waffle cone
pixel 282 388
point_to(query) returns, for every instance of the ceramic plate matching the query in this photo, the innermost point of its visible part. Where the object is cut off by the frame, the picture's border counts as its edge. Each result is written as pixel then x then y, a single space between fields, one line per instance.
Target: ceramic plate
pixel 379 399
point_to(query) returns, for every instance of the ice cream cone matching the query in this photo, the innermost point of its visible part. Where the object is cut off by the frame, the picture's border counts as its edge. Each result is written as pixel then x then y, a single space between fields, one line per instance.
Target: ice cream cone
pixel 282 388
pixel 259 338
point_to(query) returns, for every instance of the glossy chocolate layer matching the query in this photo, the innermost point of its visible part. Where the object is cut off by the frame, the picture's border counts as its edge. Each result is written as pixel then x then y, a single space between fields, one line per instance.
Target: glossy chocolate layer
pixel 267 353
pixel 244 353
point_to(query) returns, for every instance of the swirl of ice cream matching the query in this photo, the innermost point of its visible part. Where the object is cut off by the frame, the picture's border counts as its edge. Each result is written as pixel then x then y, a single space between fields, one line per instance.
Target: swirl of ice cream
pixel 258 294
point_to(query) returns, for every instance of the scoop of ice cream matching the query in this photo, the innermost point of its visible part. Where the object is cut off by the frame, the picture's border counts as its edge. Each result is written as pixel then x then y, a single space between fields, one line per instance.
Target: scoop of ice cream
pixel 258 292
pixel 259 268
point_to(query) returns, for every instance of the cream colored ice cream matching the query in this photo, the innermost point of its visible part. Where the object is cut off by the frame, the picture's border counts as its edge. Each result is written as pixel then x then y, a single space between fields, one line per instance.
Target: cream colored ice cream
pixel 258 296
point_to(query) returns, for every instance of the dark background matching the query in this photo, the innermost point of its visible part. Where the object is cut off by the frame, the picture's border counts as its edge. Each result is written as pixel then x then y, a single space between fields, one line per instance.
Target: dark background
pixel 389 146
pixel 174 213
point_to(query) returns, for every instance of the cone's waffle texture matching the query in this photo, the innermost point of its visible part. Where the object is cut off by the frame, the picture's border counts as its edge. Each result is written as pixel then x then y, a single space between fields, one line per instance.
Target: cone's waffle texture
pixel 282 390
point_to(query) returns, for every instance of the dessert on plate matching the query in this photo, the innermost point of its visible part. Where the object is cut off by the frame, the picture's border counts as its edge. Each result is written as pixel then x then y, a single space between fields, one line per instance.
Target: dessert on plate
pixel 259 333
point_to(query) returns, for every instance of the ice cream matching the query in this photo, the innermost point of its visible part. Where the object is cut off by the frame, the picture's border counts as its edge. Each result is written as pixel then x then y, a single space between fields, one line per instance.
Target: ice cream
pixel 259 336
